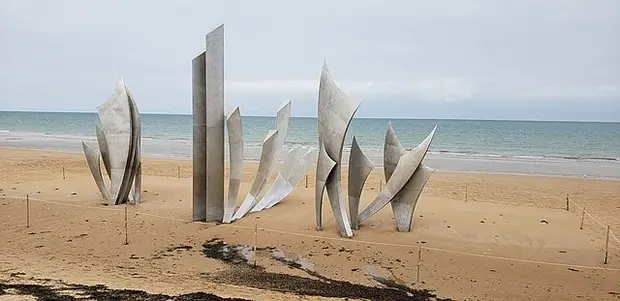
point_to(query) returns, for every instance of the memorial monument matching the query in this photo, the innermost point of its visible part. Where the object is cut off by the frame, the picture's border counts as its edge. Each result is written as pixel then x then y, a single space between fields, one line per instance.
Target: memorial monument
pixel 208 146
pixel 404 172
pixel 405 178
pixel 336 110
pixel 119 141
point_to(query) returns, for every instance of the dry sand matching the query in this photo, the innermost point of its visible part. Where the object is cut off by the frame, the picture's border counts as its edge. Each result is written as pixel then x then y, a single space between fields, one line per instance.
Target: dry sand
pixel 496 246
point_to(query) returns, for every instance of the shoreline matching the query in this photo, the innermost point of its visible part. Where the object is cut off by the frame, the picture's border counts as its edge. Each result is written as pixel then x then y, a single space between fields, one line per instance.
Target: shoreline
pixel 470 165
pixel 255 146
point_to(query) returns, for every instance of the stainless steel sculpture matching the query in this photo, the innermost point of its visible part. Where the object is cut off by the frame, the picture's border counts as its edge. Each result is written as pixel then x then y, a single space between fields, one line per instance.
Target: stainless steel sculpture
pixel 120 144
pixel 293 153
pixel 199 155
pixel 359 169
pixel 296 164
pixel 208 112
pixel 405 201
pixel 403 204
pixel 405 176
pixel 262 175
pixel 282 120
pixel 215 124
pixel 269 156
pixel 335 111
pixel 235 140
pixel 93 160
pixel 103 148
pixel 208 141
pixel 136 151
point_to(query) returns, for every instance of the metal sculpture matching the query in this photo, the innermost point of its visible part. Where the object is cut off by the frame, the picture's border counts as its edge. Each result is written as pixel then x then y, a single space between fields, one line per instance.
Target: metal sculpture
pixel 335 111
pixel 262 175
pixel 359 169
pixel 119 139
pixel 282 120
pixel 269 156
pixel 93 161
pixel 208 132
pixel 296 163
pixel 405 201
pixel 405 179
pixel 103 148
pixel 235 141
pixel 208 141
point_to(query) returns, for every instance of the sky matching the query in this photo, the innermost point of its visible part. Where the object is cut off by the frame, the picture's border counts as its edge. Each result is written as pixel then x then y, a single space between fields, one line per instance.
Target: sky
pixel 484 59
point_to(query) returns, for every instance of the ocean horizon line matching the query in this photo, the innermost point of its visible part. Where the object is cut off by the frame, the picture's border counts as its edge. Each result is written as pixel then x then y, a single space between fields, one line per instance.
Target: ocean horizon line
pixel 356 117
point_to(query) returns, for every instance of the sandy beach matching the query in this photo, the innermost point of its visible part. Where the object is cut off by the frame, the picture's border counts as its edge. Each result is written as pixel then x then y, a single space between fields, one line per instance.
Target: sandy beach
pixel 479 237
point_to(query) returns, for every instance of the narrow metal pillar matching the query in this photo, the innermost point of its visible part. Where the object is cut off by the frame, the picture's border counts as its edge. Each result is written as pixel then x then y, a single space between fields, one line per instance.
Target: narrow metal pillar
pixel 199 156
pixel 215 125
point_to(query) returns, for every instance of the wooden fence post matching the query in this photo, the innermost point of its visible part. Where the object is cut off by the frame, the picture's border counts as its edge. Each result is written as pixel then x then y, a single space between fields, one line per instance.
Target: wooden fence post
pixel 607 245
pixel 419 263
pixel 126 234
pixel 465 194
pixel 255 241
pixel 27 211
pixel 583 214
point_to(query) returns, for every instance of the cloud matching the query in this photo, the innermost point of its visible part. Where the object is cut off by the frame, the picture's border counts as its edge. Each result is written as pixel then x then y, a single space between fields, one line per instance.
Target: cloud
pixel 444 89
pixel 587 92
pixel 497 55
pixel 447 90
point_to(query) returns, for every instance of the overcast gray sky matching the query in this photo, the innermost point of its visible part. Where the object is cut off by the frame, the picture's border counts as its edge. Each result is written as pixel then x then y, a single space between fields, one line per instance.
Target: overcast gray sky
pixel 526 59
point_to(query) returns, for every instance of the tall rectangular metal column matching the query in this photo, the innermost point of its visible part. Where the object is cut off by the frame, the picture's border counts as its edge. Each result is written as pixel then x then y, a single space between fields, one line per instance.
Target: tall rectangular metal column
pixel 199 157
pixel 215 124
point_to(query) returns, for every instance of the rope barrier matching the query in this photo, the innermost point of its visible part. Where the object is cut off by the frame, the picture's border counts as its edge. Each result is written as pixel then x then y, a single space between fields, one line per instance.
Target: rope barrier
pixel 349 240
pixel 614 236
pixel 596 220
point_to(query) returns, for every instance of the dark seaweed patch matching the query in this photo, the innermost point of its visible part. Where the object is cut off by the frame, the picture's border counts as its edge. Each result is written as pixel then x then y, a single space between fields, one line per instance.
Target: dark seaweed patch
pixel 98 293
pixel 218 249
pixel 243 275
pixel 179 248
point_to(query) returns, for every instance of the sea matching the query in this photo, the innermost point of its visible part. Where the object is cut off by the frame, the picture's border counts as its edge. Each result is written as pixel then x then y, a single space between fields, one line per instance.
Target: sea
pixel 572 149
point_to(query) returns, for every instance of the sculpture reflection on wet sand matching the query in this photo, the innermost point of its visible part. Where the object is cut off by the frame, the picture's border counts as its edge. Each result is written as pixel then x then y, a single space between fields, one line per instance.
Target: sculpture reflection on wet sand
pixel 119 141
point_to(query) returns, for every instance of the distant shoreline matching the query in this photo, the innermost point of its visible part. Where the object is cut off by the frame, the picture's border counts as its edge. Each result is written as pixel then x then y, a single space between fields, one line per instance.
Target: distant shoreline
pixel 379 165
pixel 566 149
pixel 356 117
